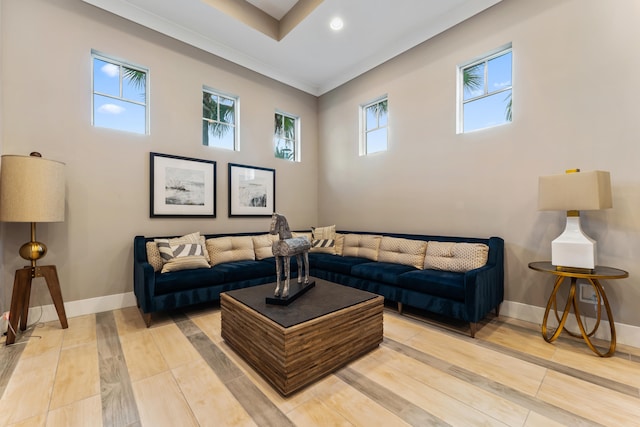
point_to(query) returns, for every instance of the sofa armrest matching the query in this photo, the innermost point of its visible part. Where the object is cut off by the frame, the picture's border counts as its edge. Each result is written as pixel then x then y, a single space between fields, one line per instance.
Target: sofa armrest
pixel 144 279
pixel 484 286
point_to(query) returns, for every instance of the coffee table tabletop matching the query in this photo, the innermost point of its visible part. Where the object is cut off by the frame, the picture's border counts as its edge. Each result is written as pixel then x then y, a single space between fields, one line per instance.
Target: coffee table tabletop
pixel 324 298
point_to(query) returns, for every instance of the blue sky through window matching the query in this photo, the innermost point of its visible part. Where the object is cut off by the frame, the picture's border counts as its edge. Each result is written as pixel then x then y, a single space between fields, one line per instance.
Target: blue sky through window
pixel 376 121
pixel 487 89
pixel 118 102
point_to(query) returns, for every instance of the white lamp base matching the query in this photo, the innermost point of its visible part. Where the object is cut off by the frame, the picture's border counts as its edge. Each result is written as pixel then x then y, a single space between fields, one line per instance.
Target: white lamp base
pixel 573 248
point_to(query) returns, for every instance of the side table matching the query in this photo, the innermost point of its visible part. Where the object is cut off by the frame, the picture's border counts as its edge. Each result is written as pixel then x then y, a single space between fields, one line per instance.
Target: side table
pixel 600 272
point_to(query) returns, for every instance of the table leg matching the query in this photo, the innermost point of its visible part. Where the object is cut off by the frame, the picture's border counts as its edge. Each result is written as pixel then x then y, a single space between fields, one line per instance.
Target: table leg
pixel 612 344
pixel 552 301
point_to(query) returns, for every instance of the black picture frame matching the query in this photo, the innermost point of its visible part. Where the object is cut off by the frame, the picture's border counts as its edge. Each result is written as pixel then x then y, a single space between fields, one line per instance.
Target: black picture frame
pixel 181 187
pixel 252 191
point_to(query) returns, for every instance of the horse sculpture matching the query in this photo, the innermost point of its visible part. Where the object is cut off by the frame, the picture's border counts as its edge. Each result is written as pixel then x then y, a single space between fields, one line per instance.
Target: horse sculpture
pixel 284 249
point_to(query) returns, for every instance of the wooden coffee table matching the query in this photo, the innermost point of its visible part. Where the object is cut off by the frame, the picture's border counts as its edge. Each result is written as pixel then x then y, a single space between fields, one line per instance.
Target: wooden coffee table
pixel 293 346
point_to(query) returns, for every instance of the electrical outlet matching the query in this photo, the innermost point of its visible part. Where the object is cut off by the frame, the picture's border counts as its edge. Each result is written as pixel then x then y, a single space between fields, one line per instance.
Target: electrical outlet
pixel 588 294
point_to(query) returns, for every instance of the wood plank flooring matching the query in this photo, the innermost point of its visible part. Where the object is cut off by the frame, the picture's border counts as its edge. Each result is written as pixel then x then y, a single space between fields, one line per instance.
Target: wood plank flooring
pixel 108 369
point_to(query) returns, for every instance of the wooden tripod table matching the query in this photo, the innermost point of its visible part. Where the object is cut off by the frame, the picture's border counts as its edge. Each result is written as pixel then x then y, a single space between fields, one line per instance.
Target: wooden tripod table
pixel 22 294
pixel 600 272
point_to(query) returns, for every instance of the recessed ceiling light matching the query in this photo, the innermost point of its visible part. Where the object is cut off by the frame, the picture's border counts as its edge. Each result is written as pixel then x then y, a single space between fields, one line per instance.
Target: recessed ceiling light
pixel 336 24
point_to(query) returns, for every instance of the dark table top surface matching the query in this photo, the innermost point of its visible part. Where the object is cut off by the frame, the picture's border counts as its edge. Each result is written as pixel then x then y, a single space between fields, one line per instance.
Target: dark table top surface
pixel 324 298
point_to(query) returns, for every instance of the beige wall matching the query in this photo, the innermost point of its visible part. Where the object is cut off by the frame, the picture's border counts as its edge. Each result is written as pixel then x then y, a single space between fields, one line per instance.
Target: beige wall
pixel 575 104
pixel 46 92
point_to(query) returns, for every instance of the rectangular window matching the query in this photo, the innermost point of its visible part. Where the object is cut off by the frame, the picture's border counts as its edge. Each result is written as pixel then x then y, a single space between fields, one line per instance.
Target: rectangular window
pixel 374 126
pixel 484 91
pixel 119 95
pixel 285 138
pixel 219 120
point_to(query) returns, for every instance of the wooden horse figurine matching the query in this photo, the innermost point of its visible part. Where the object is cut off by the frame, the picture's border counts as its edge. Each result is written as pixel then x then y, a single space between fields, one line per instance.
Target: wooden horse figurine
pixel 284 249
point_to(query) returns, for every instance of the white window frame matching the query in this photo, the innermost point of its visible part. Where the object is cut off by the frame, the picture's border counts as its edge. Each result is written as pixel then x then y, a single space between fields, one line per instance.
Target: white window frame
pixel 363 125
pixel 236 117
pixel 296 140
pixel 460 85
pixel 120 63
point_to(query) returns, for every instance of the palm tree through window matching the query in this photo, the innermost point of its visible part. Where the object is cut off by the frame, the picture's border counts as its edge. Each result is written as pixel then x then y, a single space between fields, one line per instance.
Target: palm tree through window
pixel 285 137
pixel 219 117
pixel 486 88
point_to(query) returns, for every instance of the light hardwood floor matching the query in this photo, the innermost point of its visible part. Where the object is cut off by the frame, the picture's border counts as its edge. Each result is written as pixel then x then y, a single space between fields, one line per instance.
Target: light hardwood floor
pixel 109 369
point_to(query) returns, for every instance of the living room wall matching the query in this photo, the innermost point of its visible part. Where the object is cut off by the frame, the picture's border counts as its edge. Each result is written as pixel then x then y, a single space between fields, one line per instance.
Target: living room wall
pixel 46 95
pixel 574 106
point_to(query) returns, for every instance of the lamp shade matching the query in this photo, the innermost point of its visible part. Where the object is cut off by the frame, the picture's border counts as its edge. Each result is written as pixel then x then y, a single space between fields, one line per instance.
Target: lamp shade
pixel 579 191
pixel 32 189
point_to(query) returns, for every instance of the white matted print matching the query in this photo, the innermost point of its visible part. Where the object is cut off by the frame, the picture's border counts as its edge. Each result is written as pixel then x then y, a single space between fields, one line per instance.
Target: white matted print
pixel 182 186
pixel 252 191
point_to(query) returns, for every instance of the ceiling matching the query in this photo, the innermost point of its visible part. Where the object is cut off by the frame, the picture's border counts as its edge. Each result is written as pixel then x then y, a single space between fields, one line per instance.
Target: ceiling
pixel 307 54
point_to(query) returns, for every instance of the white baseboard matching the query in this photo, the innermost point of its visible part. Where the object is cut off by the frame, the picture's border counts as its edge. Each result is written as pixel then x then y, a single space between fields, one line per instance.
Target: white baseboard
pixel 47 313
pixel 626 334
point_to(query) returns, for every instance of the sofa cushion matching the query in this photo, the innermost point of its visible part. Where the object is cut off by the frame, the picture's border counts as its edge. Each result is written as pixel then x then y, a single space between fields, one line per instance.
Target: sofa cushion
pixel 245 270
pixel 339 247
pixel 457 257
pixel 361 246
pixel 230 248
pixel 200 278
pixel 323 239
pixel 402 251
pixel 384 272
pixel 445 284
pixel 334 263
pixel 262 245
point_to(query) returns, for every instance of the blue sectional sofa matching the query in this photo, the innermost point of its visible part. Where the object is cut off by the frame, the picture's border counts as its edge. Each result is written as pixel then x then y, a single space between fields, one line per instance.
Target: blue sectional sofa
pixel 375 262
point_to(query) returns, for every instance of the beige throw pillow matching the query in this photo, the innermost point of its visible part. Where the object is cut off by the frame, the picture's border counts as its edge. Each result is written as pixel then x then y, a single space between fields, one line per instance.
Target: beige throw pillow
pixel 323 239
pixel 188 262
pixel 165 245
pixel 362 246
pixel 402 251
pixel 153 256
pixel 456 257
pixel 262 245
pixel 230 248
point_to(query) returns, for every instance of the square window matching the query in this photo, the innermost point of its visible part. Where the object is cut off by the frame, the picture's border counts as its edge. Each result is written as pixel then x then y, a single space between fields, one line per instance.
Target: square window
pixel 485 88
pixel 286 139
pixel 374 123
pixel 219 118
pixel 119 95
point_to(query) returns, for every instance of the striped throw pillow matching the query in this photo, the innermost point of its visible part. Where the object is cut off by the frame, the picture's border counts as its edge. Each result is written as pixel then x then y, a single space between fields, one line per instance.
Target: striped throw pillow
pixel 165 249
pixel 186 249
pixel 322 236
pixel 323 243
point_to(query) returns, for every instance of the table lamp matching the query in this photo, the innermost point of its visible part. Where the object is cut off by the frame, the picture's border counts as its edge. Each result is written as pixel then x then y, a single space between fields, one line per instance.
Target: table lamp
pixel 32 189
pixel 573 192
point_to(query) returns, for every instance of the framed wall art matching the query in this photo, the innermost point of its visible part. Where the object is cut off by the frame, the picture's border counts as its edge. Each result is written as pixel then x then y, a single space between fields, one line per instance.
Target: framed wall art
pixel 182 187
pixel 252 191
